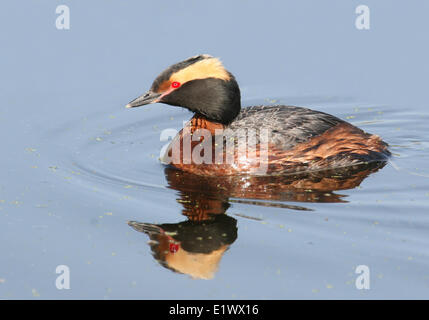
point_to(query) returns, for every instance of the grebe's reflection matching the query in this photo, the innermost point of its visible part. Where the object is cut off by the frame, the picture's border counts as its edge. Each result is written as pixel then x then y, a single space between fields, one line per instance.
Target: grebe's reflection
pixel 196 245
pixel 191 247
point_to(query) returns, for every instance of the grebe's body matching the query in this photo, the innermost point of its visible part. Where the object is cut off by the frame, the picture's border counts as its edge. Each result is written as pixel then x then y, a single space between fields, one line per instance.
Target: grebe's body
pixel 277 139
pixel 300 139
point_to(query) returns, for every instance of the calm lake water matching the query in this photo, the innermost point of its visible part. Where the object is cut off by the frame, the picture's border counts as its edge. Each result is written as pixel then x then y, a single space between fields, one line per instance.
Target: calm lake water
pixel 81 183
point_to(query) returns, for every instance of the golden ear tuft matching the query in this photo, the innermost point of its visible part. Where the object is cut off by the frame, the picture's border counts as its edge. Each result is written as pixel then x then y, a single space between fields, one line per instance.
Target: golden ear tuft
pixel 207 68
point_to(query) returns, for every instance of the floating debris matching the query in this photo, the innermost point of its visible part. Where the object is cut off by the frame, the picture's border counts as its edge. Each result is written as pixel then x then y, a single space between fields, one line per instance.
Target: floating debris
pixel 35 293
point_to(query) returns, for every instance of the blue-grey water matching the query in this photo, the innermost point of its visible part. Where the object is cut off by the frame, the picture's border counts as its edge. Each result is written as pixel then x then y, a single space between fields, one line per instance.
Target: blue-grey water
pixel 76 166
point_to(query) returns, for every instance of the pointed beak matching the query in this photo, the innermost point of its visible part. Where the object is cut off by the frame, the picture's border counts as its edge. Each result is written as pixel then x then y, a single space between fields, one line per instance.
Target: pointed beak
pixel 147 98
pixel 145 227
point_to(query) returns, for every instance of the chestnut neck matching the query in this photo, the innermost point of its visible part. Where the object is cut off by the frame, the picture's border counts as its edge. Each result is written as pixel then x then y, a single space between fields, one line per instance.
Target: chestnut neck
pixel 198 121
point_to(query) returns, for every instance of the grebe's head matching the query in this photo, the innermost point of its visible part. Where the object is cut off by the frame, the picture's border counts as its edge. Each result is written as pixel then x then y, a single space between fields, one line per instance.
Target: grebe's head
pixel 200 84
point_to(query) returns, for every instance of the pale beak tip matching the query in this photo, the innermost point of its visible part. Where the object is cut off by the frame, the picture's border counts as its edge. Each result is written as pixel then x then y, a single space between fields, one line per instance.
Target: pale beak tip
pixel 128 106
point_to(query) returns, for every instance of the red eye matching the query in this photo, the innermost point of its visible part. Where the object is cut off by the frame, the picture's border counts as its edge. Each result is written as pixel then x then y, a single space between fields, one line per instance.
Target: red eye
pixel 175 84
